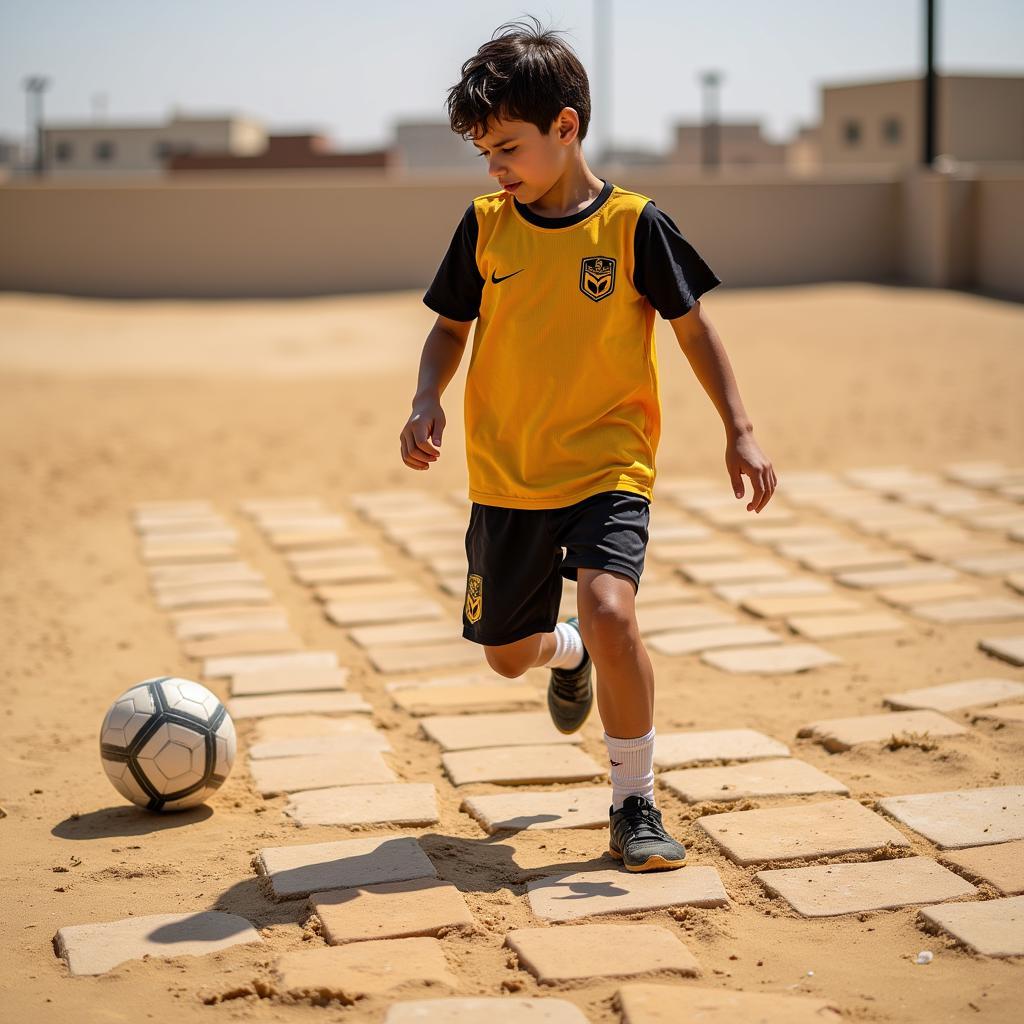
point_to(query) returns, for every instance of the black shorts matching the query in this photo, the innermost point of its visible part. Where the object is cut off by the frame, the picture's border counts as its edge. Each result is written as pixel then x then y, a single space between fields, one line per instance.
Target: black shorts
pixel 516 563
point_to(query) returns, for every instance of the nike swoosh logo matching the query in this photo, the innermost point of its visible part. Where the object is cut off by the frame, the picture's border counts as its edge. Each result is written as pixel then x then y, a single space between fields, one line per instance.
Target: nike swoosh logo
pixel 616 763
pixel 498 280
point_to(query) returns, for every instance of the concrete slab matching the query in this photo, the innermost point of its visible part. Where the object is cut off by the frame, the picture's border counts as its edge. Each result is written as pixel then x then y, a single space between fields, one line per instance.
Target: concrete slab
pixel 734 593
pixel 403 634
pixel 836 734
pixel 257 642
pixel 838 560
pixel 305 726
pixel 791 534
pixel 100 947
pixel 827 627
pixel 274 775
pixel 155 553
pixel 423 657
pixel 964 693
pixel 292 872
pixel 298 704
pixel 992 927
pixel 676 749
pixel 390 910
pixel 1015 580
pixel 214 668
pixel 210 624
pixel 588 951
pixel 1006 648
pixel 570 896
pixel 493 1009
pixel 775 659
pixel 1004 713
pixel 364 613
pixel 776 777
pixel 824 829
pixel 305 746
pixel 997 563
pixel 583 807
pixel 212 572
pixel 350 551
pixel 909 576
pixel 963 817
pixel 473 697
pixel 741 570
pixel 397 803
pixel 520 765
pixel 344 572
pixel 359 969
pixel 308 680
pixel 737 515
pixel 662 618
pixel 685 1004
pixel 1001 866
pixel 508 729
pixel 669 592
pixel 978 609
pixel 693 641
pixel 388 591
pixel 696 551
pixel 769 607
pixel 285 540
pixel 922 593
pixel 832 889
pixel 209 595
pixel 662 531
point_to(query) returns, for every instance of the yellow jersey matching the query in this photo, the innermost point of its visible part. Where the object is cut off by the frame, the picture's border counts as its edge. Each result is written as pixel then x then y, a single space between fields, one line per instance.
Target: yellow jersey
pixel 561 396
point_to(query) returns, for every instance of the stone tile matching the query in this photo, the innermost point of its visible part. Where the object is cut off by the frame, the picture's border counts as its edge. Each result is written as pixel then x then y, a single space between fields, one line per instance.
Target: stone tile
pixel 728 516
pixel 824 829
pixel 208 595
pixel 953 696
pixel 353 551
pixel 98 948
pixel 693 641
pixel 179 551
pixel 845 560
pixel 669 592
pixel 396 803
pixel 832 889
pixel 520 765
pixel 304 726
pixel 1015 580
pixel 696 551
pixel 587 951
pixel 1001 865
pixel 297 704
pixel 734 593
pixel 274 775
pixel 307 680
pixel 388 591
pixel 167 507
pixel 448 565
pixel 304 746
pixel 583 807
pixel 825 627
pixel 777 659
pixel 265 642
pixel 963 817
pixel 1005 713
pixel 364 613
pixel 422 657
pixel 344 572
pixel 738 571
pixel 570 896
pixel 285 540
pixel 257 507
pixel 284 520
pixel 992 927
pixel 168 536
pixel 662 618
pixel 472 697
pixel 994 563
pixel 405 633
pixel 211 624
pixel 390 910
pixel 211 572
pixel 359 969
pixel 911 575
pixel 1007 648
pixel 515 728
pixel 686 1004
pixel 777 777
pixel 791 534
pixel 769 607
pixel 680 530
pixel 291 872
pixel 979 609
pixel 294 660
pixel 676 749
pixel 836 734
pixel 493 1009
pixel 922 593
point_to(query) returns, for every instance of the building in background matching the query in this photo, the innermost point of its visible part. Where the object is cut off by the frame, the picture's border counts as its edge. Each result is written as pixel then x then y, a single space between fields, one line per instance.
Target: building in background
pixel 741 144
pixel 284 152
pixel 432 146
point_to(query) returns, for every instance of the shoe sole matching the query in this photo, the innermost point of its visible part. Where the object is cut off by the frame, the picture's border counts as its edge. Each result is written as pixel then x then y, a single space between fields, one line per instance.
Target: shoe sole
pixel 653 863
pixel 569 732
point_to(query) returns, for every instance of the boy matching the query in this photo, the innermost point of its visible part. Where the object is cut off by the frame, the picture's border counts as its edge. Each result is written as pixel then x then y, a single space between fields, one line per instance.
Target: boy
pixel 564 272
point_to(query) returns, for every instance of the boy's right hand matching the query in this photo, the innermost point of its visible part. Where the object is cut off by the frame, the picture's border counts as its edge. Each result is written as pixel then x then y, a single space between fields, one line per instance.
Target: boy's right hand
pixel 421 435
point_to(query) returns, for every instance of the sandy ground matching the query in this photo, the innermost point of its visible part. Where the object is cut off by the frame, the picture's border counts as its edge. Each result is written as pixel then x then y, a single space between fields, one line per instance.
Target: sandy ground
pixel 103 404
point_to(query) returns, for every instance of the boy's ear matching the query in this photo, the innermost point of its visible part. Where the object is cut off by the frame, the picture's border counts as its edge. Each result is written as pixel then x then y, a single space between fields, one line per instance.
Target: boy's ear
pixel 567 125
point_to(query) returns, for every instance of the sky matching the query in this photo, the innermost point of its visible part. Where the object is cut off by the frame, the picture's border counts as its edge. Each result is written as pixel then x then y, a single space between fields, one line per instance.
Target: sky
pixel 350 69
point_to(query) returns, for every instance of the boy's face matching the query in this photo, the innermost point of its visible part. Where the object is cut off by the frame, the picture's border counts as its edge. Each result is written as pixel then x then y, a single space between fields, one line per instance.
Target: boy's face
pixel 524 161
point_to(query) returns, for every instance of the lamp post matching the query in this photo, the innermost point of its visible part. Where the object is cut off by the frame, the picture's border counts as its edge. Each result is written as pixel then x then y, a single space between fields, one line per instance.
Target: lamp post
pixel 710 135
pixel 603 74
pixel 929 111
pixel 35 85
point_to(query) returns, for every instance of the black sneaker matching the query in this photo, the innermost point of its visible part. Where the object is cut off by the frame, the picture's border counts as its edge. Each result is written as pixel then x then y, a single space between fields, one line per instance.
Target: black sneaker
pixel 639 839
pixel 570 695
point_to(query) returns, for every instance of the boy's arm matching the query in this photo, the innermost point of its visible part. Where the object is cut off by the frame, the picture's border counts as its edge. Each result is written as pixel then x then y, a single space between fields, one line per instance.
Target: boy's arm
pixel 442 353
pixel 707 357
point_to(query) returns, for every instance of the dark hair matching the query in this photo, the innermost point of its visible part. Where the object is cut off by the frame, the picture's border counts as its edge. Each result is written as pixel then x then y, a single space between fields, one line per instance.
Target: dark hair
pixel 524 73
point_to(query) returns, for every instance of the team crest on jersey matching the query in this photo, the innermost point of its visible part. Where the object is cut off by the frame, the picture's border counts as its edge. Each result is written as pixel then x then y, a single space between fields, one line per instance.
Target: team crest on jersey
pixel 597 277
pixel 474 597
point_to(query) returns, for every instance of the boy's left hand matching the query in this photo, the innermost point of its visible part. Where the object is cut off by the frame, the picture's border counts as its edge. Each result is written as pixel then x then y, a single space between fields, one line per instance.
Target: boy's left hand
pixel 744 455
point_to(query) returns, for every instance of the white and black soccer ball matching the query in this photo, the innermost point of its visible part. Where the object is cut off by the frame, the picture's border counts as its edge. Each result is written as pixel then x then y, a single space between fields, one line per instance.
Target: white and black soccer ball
pixel 167 743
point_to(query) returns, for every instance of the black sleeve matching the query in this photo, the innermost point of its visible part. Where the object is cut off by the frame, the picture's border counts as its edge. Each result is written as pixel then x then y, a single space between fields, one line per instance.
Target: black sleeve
pixel 457 286
pixel 666 268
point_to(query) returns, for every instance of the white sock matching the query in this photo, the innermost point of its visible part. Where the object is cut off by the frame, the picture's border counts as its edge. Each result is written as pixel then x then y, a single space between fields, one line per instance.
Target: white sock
pixel 632 763
pixel 568 648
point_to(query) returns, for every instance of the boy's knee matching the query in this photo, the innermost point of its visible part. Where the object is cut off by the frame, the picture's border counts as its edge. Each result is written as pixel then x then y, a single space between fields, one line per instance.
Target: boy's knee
pixel 609 622
pixel 508 660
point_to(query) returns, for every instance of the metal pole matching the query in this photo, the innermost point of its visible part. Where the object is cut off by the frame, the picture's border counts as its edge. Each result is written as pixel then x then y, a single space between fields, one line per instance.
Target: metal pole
pixel 602 93
pixel 928 154
pixel 710 135
pixel 34 86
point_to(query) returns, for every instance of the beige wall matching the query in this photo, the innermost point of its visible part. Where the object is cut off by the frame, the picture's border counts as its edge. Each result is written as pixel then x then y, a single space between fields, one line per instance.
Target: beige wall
pixel 308 233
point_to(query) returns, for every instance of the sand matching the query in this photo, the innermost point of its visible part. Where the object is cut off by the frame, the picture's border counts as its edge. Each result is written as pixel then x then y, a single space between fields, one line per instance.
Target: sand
pixel 107 403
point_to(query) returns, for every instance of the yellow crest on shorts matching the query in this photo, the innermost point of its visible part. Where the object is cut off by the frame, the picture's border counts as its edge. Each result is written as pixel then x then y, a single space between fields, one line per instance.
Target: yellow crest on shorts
pixel 474 597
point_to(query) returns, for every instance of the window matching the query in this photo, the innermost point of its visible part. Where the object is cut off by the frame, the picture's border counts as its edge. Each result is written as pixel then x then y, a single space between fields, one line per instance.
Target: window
pixel 64 151
pixel 104 150
pixel 851 133
pixel 892 130
pixel 162 150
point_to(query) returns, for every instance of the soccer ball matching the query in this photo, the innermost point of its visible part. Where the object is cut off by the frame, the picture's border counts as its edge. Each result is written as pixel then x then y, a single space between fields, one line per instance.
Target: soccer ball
pixel 167 744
